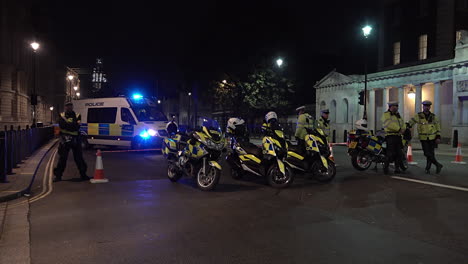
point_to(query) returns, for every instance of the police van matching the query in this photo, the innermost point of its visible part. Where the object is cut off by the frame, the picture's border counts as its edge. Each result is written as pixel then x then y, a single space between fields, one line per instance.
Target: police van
pixel 134 122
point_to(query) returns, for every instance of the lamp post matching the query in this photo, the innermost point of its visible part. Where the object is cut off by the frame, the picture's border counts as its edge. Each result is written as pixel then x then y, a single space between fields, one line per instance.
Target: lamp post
pixel 35 47
pixel 51 114
pixel 78 95
pixel 70 78
pixel 189 108
pixel 366 31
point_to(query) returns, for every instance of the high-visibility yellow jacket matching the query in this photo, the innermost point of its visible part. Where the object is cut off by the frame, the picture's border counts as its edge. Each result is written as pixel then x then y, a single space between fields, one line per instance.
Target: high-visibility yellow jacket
pixel 325 126
pixel 392 123
pixel 70 123
pixel 303 121
pixel 428 126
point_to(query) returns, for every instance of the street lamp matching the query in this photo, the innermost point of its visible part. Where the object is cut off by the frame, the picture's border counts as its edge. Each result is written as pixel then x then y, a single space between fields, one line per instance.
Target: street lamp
pixel 366 32
pixel 75 88
pixel 159 101
pixel 51 114
pixel 70 77
pixel 224 81
pixel 35 47
pixel 279 62
pixel 78 94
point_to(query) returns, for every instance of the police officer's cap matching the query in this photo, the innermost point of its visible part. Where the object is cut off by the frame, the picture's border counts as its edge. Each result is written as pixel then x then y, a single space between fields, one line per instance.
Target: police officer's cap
pixel 68 103
pixel 325 111
pixel 427 102
pixel 300 108
pixel 392 103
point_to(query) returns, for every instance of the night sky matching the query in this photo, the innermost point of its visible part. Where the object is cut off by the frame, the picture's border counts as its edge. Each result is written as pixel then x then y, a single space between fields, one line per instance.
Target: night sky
pixel 196 40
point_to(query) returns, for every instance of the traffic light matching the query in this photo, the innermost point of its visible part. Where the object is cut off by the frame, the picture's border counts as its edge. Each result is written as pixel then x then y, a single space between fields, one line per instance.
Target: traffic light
pixel 361 98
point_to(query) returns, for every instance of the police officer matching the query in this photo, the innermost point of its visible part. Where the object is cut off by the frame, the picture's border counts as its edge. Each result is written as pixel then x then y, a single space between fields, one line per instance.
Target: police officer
pixel 324 124
pixel 304 120
pixel 429 134
pixel 172 127
pixel 394 127
pixel 69 123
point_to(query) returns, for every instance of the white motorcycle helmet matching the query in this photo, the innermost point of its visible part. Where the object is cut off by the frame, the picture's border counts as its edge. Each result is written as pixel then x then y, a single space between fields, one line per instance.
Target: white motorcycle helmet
pixel 361 124
pixel 270 117
pixel 232 124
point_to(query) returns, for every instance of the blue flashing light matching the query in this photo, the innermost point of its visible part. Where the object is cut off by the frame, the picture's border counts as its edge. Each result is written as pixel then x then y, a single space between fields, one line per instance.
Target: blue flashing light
pixel 137 96
pixel 144 134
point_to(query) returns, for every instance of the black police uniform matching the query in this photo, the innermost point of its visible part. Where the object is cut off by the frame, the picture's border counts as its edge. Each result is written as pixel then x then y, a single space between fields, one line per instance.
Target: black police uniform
pixel 69 123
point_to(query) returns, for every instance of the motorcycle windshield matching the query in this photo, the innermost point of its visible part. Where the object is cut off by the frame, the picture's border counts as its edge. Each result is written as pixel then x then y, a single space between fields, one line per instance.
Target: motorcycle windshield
pixel 211 127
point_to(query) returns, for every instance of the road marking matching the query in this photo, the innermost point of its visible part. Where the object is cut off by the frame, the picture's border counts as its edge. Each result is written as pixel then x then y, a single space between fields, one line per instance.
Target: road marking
pixel 129 150
pixel 48 178
pixel 432 183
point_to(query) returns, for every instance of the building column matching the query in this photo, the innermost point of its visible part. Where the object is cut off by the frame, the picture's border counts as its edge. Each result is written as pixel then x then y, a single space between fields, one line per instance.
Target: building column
pixel 385 96
pixel 437 98
pixel 417 101
pixel 401 100
pixel 371 111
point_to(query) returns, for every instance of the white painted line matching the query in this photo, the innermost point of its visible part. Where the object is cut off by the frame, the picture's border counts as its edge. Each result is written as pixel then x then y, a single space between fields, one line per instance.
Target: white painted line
pixel 432 183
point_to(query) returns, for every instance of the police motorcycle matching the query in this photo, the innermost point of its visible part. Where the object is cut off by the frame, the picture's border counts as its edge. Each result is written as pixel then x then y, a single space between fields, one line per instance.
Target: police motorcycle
pixel 196 154
pixel 313 157
pixel 366 148
pixel 266 161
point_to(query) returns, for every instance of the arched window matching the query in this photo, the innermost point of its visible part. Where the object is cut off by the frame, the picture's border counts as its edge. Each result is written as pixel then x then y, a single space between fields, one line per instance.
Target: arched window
pixel 345 111
pixel 333 111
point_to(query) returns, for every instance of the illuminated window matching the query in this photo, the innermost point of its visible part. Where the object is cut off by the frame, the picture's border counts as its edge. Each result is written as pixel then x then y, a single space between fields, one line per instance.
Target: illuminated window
pixel 458 36
pixel 422 47
pixel 396 53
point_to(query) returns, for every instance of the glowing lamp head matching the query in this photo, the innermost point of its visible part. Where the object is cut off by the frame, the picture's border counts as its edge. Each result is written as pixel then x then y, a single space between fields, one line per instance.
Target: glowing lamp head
pixel 75 88
pixel 35 46
pixel 366 31
pixel 279 62
pixel 70 77
pixel 78 94
pixel 51 108
pixel 411 94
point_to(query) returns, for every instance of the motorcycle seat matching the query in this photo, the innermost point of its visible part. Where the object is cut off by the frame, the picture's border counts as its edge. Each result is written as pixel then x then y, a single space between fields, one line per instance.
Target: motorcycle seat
pixel 296 148
pixel 251 148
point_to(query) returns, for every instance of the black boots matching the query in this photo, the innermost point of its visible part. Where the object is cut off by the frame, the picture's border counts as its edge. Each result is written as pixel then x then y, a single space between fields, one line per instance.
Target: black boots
pixel 385 167
pixel 439 168
pixel 428 166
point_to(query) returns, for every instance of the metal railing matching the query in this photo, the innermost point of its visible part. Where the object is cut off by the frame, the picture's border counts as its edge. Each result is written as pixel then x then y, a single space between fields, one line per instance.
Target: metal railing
pixel 17 145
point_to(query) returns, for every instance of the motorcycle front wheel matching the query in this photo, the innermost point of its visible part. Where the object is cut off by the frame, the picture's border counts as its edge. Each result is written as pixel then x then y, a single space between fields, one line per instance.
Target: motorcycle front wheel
pixel 323 174
pixel 207 181
pixel 361 160
pixel 276 179
pixel 173 173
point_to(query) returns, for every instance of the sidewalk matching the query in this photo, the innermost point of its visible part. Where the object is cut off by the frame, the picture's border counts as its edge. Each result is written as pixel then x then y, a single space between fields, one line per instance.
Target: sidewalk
pixel 19 182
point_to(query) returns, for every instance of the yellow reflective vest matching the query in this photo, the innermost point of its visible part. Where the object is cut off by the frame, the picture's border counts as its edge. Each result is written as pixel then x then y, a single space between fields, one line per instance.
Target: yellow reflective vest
pixel 303 121
pixel 428 126
pixel 325 126
pixel 67 126
pixel 392 123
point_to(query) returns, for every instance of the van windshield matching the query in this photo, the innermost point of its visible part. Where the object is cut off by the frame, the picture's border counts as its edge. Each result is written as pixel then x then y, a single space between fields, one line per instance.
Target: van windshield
pixel 148 113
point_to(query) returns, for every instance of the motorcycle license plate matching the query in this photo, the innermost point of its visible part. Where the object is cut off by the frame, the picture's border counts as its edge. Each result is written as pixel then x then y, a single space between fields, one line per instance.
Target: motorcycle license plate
pixel 352 145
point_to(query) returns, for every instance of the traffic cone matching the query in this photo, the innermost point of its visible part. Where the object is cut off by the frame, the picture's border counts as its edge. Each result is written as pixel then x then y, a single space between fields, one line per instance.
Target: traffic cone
pixel 409 156
pixel 459 156
pixel 332 158
pixel 99 171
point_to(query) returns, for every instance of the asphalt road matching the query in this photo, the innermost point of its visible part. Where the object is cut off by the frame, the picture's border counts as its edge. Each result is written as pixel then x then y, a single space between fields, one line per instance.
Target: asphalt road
pixel 141 217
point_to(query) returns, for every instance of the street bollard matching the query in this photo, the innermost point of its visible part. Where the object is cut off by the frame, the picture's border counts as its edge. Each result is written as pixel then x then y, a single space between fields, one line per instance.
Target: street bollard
pixel 13 149
pixel 334 136
pixel 345 136
pixel 455 139
pixel 3 160
pixel 18 145
pixel 8 153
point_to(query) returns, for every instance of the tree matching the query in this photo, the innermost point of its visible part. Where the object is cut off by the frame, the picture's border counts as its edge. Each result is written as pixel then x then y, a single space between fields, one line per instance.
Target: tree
pixel 266 89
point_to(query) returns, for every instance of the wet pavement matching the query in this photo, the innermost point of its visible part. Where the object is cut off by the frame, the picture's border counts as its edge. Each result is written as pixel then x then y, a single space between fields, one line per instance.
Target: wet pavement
pixel 142 217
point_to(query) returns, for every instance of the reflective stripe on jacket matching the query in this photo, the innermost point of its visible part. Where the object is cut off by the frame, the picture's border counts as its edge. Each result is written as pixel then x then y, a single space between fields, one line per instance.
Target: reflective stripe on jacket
pixel 428 128
pixel 392 123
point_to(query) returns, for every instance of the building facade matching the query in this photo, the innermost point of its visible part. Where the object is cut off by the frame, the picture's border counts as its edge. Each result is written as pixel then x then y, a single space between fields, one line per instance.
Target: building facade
pixel 17 65
pixel 415 64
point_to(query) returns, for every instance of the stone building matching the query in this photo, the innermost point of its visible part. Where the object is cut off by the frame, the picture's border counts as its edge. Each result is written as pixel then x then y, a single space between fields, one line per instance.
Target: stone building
pixel 416 63
pixel 17 31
